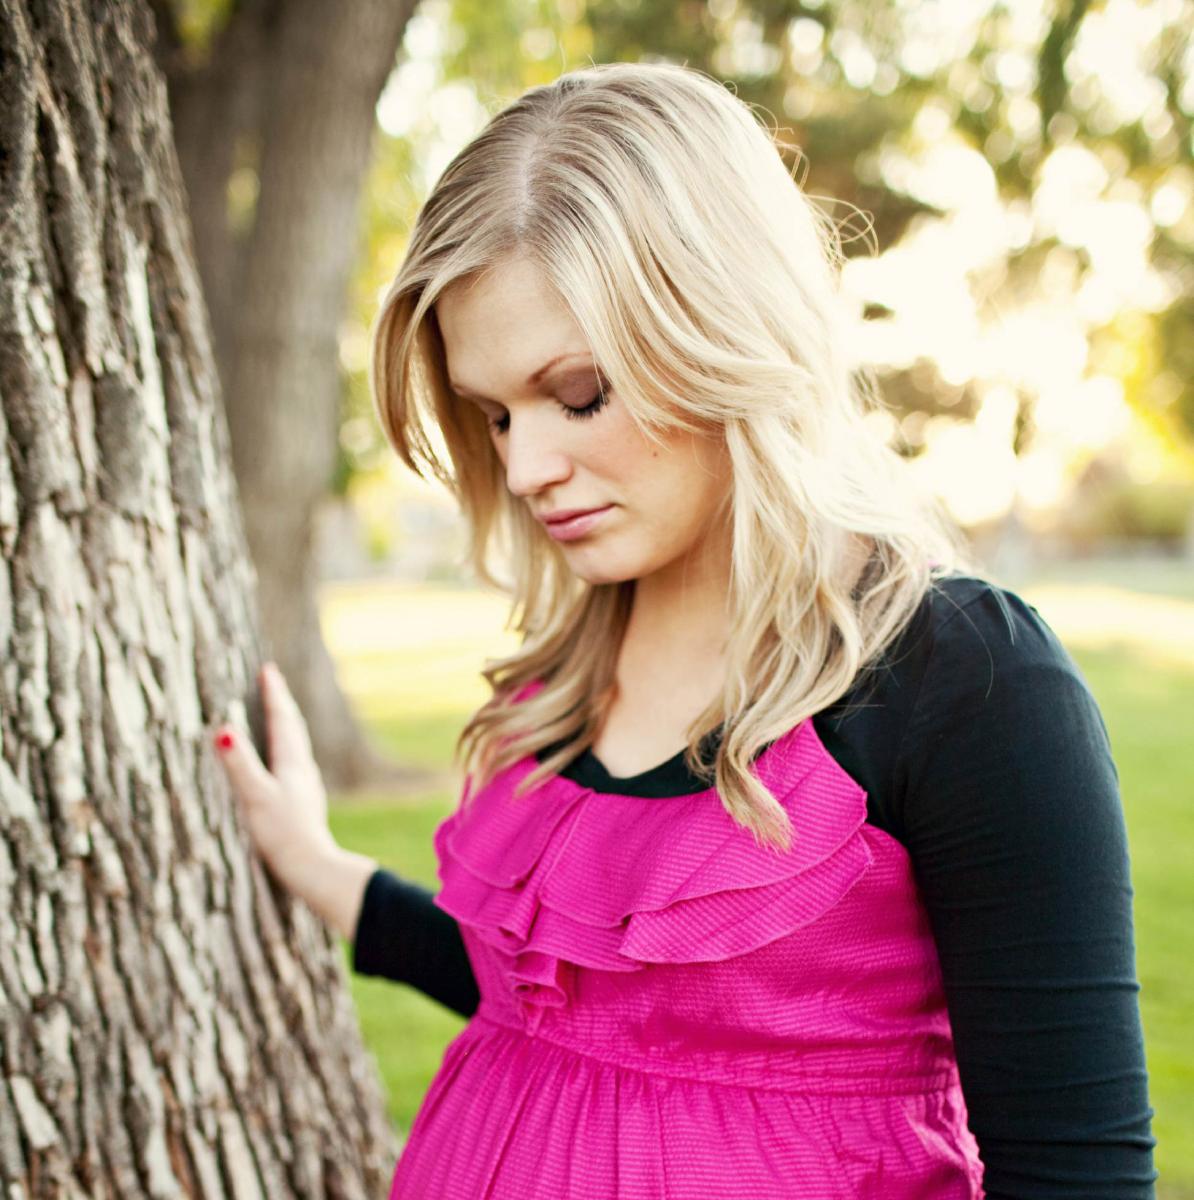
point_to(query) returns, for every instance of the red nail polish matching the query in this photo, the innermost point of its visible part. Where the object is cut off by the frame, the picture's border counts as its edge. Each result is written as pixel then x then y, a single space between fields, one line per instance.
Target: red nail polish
pixel 224 741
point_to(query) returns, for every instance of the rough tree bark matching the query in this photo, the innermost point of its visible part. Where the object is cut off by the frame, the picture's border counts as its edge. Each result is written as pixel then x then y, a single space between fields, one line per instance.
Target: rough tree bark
pixel 170 1023
pixel 293 84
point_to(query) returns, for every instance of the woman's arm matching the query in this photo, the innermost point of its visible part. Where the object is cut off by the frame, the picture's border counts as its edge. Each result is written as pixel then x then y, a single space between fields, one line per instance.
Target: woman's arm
pixel 334 886
pixel 401 935
pixel 1011 812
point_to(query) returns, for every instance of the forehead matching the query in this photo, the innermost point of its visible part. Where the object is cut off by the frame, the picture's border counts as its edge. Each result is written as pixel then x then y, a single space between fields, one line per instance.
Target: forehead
pixel 506 321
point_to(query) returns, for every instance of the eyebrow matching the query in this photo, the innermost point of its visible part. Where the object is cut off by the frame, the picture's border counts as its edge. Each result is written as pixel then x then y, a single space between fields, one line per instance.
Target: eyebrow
pixel 532 379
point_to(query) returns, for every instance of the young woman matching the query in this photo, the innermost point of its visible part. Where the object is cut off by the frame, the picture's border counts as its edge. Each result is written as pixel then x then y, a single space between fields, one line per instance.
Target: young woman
pixel 790 861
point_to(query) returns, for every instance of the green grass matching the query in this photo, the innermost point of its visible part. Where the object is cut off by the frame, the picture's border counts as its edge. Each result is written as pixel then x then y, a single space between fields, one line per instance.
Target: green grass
pixel 410 656
pixel 1150 714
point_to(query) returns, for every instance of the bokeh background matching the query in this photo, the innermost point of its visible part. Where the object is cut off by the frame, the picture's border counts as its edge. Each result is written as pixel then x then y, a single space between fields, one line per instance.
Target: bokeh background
pixel 1014 185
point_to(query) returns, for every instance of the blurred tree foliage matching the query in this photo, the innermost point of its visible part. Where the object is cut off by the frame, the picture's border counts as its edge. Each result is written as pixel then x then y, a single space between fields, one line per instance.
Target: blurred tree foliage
pixel 856 90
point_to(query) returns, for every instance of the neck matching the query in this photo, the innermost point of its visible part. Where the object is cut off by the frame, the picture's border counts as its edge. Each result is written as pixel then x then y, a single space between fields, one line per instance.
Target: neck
pixel 679 620
pixel 680 617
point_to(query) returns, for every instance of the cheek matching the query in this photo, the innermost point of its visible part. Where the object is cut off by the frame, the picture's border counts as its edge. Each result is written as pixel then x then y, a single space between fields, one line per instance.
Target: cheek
pixel 614 453
pixel 694 489
pixel 619 440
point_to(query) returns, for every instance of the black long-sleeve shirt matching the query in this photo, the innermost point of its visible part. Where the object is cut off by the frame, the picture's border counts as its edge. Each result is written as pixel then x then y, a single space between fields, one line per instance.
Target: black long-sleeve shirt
pixel 983 752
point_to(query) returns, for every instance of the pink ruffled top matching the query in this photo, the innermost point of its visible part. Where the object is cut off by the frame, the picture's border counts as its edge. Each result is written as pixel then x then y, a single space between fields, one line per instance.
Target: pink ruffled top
pixel 669 1010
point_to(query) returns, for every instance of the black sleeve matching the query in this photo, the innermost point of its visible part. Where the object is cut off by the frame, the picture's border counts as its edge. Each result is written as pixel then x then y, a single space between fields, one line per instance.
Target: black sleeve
pixel 401 935
pixel 1012 817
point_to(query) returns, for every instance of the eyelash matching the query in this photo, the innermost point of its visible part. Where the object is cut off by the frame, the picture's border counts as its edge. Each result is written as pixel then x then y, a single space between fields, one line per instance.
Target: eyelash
pixel 502 424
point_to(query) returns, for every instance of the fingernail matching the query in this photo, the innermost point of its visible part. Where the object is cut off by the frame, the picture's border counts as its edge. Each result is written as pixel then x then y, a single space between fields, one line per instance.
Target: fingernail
pixel 224 740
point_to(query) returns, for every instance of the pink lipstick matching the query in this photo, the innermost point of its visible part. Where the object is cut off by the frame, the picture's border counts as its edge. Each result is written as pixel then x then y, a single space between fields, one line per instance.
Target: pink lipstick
pixel 568 527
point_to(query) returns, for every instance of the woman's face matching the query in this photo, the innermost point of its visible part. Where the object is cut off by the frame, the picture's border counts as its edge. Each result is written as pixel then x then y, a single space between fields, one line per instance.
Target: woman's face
pixel 515 351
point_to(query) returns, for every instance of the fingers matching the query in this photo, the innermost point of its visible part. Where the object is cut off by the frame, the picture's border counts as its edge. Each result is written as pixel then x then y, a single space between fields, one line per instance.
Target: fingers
pixel 286 731
pixel 247 774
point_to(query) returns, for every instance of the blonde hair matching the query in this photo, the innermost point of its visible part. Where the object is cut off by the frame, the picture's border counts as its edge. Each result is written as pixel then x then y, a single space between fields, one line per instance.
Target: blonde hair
pixel 662 212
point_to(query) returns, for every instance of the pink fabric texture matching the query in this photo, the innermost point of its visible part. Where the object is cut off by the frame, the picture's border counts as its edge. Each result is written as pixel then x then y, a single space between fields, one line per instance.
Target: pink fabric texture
pixel 671 1012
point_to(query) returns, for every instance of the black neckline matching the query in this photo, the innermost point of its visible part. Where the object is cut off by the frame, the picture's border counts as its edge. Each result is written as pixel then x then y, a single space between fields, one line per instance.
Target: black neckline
pixel 668 778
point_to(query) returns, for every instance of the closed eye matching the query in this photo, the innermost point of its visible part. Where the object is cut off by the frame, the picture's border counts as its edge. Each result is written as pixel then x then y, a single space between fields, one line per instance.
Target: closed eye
pixel 584 412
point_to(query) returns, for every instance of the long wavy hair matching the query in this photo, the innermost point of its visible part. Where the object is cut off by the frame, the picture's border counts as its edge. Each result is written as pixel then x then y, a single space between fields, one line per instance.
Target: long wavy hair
pixel 660 209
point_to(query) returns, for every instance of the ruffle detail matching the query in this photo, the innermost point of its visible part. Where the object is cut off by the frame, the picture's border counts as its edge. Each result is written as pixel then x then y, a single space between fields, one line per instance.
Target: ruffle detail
pixel 564 876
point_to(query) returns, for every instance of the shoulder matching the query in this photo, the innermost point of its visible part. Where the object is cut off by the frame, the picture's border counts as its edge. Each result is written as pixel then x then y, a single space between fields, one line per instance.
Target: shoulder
pixel 975 706
pixel 969 640
pixel 984 644
pixel 1004 728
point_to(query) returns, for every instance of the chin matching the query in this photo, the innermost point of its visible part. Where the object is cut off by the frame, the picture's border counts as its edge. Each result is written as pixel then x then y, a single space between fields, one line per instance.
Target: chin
pixel 596 577
pixel 592 569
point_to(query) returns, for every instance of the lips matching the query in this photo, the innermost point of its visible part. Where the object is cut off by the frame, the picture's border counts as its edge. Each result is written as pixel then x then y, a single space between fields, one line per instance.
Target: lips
pixel 567 514
pixel 569 525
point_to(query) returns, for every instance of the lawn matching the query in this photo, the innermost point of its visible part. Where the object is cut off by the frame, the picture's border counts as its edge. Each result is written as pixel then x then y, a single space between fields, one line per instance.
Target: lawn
pixel 410 655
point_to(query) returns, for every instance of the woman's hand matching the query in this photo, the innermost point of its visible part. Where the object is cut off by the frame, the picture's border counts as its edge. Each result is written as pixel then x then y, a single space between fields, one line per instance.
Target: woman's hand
pixel 284 806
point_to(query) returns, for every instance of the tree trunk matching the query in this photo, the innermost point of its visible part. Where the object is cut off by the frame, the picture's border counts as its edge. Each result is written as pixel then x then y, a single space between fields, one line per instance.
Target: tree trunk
pixel 215 109
pixel 171 1023
pixel 297 82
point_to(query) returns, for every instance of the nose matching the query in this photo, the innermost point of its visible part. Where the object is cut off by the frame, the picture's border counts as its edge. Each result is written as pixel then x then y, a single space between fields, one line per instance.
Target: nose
pixel 534 457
